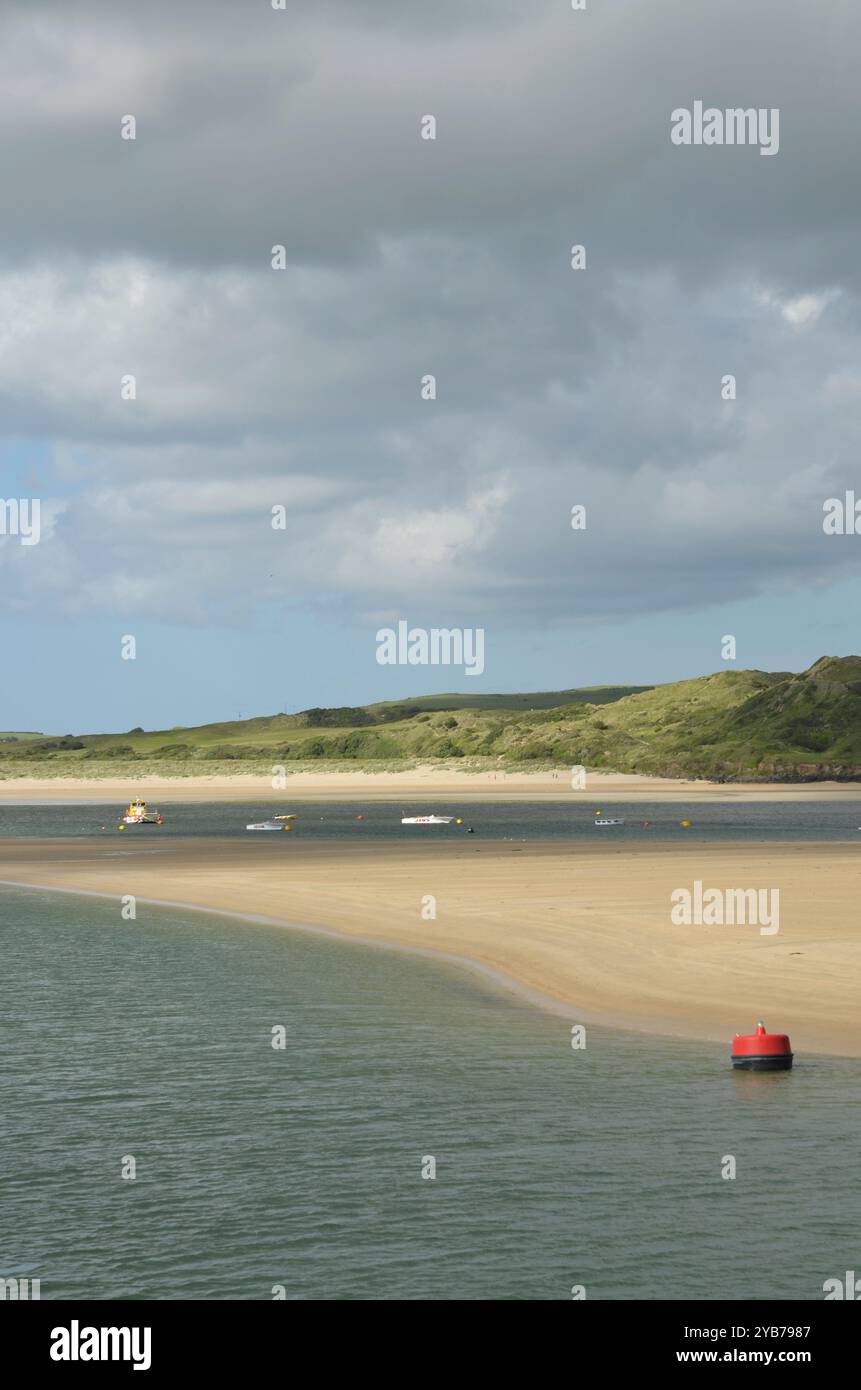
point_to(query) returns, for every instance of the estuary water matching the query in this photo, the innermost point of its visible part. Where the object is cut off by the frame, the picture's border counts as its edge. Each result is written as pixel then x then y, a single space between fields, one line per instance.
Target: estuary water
pixel 261 1168
pixel 643 821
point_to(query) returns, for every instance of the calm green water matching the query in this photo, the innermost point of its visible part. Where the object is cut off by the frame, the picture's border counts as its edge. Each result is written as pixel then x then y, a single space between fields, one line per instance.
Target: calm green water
pixel 302 1167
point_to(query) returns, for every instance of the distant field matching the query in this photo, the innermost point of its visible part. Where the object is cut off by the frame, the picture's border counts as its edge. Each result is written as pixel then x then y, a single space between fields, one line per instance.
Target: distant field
pixel 734 725
pixel 541 699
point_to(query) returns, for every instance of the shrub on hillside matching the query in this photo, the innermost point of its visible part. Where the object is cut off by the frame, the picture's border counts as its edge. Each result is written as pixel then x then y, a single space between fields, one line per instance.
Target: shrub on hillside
pixel 447 748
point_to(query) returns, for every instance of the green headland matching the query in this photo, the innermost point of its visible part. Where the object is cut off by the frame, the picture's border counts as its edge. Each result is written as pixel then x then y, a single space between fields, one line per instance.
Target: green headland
pixel 733 725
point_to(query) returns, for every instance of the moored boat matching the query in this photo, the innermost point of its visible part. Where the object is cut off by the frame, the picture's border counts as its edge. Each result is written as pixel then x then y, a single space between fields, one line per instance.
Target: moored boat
pixel 426 820
pixel 137 814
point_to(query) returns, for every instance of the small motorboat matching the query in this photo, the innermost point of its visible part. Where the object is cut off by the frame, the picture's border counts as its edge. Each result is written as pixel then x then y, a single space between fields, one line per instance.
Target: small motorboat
pixel 426 820
pixel 266 825
pixel 611 820
pixel 137 814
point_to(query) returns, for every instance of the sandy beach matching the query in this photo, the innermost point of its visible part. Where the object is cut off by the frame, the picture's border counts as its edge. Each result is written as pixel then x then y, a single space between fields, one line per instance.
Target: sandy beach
pixel 580 927
pixel 422 783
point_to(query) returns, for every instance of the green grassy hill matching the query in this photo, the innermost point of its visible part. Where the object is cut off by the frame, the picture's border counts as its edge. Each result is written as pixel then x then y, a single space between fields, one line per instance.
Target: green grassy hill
pixel 733 725
pixel 542 699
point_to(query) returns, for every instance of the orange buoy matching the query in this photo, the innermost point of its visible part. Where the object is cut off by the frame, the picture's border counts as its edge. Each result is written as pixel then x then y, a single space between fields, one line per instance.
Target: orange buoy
pixel 761 1051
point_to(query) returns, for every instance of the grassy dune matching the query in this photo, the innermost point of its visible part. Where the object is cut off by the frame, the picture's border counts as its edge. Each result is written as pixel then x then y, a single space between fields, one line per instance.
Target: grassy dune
pixel 737 725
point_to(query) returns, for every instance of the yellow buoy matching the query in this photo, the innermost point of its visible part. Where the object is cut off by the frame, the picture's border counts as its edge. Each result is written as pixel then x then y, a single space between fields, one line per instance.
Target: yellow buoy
pixel 686 823
pixel 459 821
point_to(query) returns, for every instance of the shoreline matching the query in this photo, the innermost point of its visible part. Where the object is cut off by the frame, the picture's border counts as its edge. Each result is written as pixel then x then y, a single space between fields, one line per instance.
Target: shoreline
pixel 504 983
pixel 418 784
pixel 582 931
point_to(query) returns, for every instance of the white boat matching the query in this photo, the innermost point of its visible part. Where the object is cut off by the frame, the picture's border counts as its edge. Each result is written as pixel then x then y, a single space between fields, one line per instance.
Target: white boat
pixel 426 820
pixel 265 825
pixel 611 820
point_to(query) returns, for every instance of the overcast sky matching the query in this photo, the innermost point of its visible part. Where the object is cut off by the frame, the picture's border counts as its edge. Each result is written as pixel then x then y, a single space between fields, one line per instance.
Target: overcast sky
pixel 405 256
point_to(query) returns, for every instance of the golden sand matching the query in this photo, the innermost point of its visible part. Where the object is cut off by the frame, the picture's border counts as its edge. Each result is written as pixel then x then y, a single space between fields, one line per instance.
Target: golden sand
pixel 422 783
pixel 587 927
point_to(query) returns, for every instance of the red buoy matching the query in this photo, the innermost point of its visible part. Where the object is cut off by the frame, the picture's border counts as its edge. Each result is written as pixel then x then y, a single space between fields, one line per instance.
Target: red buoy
pixel 761 1051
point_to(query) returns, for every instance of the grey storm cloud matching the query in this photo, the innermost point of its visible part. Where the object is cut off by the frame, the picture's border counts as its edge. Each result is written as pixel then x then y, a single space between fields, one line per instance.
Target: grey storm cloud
pixel 257 126
pixel 406 257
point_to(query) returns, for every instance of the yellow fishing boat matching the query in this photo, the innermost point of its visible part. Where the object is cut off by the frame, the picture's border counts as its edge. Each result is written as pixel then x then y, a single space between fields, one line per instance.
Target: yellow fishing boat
pixel 137 814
